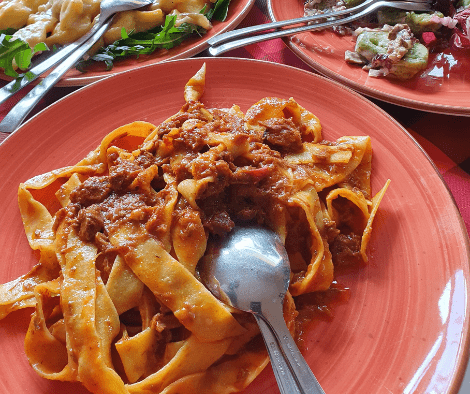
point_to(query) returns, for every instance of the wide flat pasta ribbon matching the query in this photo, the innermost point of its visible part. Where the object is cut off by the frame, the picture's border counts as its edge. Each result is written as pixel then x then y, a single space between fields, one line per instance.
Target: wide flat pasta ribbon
pixel 91 321
pixel 193 305
pixel 319 273
pixel 138 353
pixel 19 293
pixel 188 230
pixel 325 165
pixel 40 343
pixel 272 108
pixel 357 220
pixel 123 286
pixel 368 230
pixel 192 357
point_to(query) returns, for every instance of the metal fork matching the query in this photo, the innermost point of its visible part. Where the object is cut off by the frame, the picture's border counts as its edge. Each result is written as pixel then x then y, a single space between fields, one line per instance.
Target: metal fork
pixel 231 40
pixel 67 56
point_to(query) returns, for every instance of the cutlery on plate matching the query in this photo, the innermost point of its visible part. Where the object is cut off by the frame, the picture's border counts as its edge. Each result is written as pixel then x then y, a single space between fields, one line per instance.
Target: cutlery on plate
pixel 69 55
pixel 249 270
pixel 252 34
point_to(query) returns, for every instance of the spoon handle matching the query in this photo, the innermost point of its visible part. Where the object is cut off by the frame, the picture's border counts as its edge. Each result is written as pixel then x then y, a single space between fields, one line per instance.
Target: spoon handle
pixel 285 380
pixel 298 367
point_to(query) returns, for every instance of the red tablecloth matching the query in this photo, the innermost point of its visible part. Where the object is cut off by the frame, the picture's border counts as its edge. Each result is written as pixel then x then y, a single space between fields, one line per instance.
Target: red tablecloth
pixel 445 138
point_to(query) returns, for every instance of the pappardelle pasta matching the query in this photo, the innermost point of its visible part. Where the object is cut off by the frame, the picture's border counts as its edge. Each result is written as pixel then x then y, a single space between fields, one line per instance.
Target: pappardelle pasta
pixel 118 302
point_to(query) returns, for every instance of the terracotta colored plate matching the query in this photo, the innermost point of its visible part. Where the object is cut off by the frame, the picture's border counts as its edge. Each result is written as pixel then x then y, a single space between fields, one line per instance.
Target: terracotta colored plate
pixel 405 328
pixel 237 11
pixel 324 52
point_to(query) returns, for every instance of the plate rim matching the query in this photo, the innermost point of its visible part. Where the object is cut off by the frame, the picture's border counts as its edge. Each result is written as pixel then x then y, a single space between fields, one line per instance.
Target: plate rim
pixel 463 354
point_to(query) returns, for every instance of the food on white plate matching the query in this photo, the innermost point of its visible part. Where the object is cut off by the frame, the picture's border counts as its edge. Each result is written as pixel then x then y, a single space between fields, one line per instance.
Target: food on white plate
pixel 118 304
pixel 397 44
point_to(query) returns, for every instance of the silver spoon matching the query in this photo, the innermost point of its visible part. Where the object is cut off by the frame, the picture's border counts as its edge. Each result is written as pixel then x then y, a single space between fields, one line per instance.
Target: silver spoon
pixel 71 54
pixel 250 271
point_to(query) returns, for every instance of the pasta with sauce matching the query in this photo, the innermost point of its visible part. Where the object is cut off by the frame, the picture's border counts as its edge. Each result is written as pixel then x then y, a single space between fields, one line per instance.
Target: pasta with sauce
pixel 118 303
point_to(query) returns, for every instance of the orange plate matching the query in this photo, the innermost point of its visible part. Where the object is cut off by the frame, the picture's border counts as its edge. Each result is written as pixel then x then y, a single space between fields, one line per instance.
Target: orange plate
pixel 324 52
pixel 405 327
pixel 237 11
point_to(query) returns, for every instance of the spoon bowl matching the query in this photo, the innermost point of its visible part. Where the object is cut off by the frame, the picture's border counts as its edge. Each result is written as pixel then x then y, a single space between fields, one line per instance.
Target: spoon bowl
pixel 249 270
pixel 251 266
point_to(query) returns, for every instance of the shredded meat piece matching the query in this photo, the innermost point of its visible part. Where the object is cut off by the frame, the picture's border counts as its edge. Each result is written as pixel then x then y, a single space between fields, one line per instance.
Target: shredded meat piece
pixel 349 214
pixel 181 168
pixel 119 208
pixel 90 222
pixel 219 223
pixel 122 173
pixel 93 191
pixel 188 111
pixel 187 222
pixel 103 243
pixel 331 231
pixel 282 134
pixel 220 171
pixel 345 250
pixel 190 137
pixel 175 122
pixel 145 159
pixel 249 175
pixel 248 203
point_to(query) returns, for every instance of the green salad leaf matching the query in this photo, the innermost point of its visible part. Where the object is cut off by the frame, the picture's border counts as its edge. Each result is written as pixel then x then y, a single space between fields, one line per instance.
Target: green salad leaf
pixel 15 51
pixel 161 37
pixel 143 43
pixel 219 11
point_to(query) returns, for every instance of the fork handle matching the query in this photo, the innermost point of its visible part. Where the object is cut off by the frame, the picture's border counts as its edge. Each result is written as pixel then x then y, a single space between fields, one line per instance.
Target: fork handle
pixel 228 46
pixel 19 112
pixel 231 35
pixel 216 50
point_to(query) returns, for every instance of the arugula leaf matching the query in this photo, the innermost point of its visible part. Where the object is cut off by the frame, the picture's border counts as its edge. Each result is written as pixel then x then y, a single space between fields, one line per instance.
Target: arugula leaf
pixel 16 51
pixel 143 43
pixel 161 37
pixel 219 11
